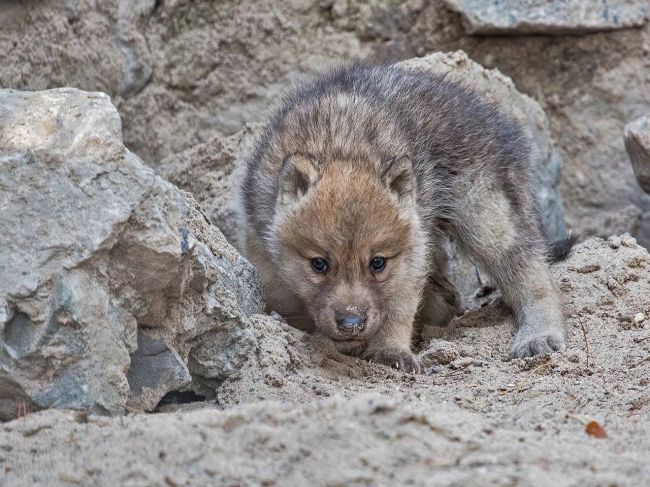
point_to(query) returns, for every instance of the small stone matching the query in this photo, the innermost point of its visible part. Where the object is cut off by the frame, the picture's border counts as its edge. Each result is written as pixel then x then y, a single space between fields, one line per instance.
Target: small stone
pixel 588 268
pixel 434 369
pixel 278 317
pixel 639 317
pixel 628 241
pixel 461 363
pixel 439 352
pixel 466 350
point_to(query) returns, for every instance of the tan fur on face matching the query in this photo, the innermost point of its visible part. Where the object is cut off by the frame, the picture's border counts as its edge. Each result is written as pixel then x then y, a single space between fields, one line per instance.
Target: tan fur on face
pixel 347 218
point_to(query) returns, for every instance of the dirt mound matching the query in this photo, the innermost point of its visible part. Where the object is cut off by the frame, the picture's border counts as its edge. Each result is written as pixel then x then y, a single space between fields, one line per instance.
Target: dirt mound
pixel 326 419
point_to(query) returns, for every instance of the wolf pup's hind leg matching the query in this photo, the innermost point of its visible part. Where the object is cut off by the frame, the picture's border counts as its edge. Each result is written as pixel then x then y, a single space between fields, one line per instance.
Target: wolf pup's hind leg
pixel 505 240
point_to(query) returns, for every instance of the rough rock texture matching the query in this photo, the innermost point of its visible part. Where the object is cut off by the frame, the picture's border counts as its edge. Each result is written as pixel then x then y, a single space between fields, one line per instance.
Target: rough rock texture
pixel 550 17
pixel 475 414
pixel 589 87
pixel 155 369
pixel 202 68
pixel 628 219
pixel 101 261
pixel 637 143
pixel 211 171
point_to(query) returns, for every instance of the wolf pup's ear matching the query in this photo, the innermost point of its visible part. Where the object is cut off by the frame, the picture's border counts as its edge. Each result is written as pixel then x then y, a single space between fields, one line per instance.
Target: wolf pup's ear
pixel 298 174
pixel 399 178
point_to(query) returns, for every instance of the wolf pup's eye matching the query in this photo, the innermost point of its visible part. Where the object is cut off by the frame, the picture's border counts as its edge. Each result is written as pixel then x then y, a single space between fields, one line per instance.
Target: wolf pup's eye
pixel 319 265
pixel 378 264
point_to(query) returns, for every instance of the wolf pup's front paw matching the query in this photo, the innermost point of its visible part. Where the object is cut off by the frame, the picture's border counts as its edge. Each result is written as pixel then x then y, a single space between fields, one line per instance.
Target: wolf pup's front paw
pixel 400 359
pixel 528 343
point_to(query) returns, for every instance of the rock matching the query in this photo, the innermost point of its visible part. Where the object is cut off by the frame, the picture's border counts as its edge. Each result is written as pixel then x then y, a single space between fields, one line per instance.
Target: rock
pixel 604 223
pixel 220 353
pixel 588 123
pixel 461 363
pixel 100 249
pixel 155 369
pixel 439 352
pixel 521 17
pixel 76 35
pixel 137 68
pixel 210 171
pixel 637 144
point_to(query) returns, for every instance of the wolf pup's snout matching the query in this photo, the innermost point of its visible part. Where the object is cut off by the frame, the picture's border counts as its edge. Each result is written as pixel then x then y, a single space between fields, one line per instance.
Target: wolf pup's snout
pixel 351 324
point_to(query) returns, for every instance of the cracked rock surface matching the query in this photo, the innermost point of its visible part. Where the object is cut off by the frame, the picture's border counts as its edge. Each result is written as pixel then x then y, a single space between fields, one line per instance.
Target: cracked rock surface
pixel 520 17
pixel 637 143
pixel 95 249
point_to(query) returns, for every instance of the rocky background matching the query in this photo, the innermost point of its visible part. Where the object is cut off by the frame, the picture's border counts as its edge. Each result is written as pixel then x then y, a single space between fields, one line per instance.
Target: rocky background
pixel 121 293
pixel 182 71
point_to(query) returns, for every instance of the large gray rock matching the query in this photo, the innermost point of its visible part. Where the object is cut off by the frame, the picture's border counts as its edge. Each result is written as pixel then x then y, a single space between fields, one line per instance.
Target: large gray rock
pixel 637 143
pixel 549 17
pixel 96 250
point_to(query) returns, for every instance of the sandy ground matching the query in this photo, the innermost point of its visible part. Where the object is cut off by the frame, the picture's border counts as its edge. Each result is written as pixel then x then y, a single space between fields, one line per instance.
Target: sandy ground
pixel 299 414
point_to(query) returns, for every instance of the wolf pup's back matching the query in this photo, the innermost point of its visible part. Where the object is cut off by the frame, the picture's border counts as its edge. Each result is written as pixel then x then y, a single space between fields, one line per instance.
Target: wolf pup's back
pixel 351 190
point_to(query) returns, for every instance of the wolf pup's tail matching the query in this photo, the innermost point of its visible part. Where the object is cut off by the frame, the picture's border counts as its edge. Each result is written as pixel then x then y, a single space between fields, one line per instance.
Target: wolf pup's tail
pixel 560 249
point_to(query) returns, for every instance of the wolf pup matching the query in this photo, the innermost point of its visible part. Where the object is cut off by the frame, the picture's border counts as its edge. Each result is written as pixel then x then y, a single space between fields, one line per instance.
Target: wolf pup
pixel 351 190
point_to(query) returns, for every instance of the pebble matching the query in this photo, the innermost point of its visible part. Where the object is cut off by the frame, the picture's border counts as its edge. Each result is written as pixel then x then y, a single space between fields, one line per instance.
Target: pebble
pixel 439 352
pixel 614 242
pixel 461 363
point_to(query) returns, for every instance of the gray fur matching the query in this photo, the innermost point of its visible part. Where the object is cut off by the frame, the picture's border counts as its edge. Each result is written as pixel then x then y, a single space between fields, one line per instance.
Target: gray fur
pixel 471 167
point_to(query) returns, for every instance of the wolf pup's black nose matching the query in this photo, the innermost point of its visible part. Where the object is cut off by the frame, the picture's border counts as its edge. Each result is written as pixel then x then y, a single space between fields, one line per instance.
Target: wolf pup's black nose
pixel 351 324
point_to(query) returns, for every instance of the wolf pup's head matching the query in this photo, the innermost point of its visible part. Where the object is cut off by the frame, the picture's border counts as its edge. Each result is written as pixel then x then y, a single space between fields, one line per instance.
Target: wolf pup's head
pixel 348 242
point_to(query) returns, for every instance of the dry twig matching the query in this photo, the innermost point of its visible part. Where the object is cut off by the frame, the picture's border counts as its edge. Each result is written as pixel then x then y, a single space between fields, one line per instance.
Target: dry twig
pixel 584 335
